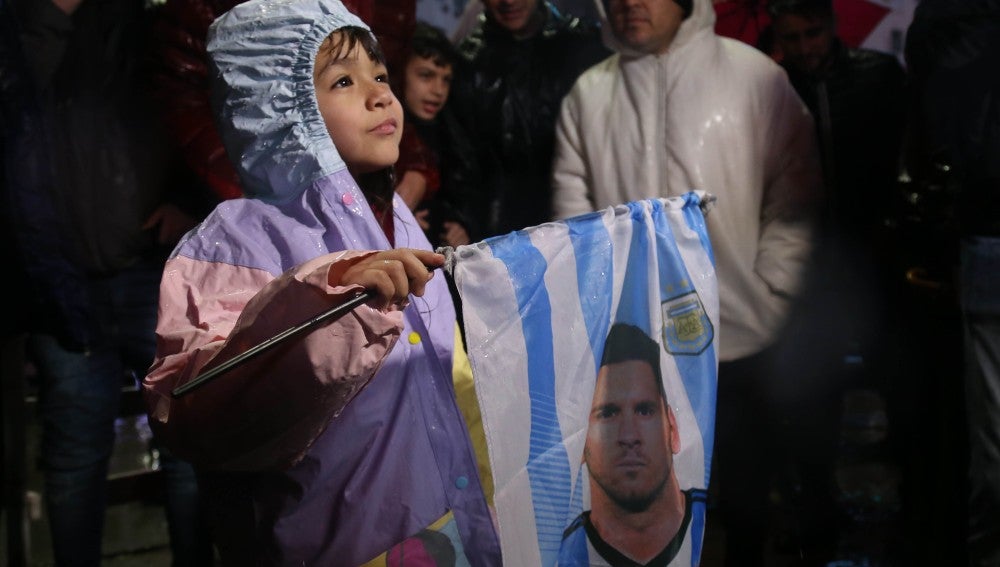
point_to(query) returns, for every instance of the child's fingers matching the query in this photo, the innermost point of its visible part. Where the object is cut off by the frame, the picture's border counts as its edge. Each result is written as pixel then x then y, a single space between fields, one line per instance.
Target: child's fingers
pixel 398 287
pixel 394 274
pixel 429 259
pixel 418 266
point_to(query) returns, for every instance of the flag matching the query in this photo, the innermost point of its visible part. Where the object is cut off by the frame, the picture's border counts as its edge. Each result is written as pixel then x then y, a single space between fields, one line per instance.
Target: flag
pixel 538 304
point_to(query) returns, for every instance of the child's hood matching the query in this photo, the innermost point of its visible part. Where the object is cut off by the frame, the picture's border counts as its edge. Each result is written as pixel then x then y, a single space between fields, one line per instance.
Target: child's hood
pixel 262 54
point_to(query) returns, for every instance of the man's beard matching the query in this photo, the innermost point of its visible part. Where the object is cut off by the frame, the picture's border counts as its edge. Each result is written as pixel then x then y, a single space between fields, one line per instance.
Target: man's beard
pixel 628 500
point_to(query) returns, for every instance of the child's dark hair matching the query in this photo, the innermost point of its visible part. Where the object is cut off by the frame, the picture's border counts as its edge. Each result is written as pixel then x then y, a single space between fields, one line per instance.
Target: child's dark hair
pixel 379 185
pixel 431 43
pixel 342 41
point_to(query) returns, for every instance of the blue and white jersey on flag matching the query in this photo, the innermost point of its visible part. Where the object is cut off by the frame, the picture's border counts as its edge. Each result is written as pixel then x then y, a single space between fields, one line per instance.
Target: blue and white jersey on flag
pixel 538 304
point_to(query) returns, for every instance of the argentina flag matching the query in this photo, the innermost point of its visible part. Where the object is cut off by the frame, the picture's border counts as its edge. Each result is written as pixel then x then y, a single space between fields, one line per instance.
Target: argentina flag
pixel 539 305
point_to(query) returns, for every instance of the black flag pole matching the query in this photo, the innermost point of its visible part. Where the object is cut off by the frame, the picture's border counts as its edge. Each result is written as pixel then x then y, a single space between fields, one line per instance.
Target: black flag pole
pixel 329 314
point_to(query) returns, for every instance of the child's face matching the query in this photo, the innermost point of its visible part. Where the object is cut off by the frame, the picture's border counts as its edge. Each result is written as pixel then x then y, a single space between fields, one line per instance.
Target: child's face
pixel 427 87
pixel 362 115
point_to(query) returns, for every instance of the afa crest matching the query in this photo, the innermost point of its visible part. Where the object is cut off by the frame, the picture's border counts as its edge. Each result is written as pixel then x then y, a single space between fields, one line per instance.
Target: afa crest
pixel 686 327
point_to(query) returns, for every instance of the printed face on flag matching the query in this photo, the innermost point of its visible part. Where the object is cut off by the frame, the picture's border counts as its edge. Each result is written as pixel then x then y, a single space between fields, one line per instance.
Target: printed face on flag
pixel 631 435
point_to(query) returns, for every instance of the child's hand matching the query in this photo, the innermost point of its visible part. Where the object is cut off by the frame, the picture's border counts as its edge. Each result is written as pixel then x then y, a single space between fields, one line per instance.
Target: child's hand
pixel 393 275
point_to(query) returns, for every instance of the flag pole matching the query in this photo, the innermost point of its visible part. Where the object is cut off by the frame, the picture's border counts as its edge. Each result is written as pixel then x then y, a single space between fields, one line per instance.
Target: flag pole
pixel 329 314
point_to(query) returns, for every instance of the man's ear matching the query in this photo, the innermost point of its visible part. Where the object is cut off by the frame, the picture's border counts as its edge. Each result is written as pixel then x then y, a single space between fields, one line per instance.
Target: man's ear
pixel 675 434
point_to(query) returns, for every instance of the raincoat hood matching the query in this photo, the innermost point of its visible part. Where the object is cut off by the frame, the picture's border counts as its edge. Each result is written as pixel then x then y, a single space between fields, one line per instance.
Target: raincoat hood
pixel 701 20
pixel 262 56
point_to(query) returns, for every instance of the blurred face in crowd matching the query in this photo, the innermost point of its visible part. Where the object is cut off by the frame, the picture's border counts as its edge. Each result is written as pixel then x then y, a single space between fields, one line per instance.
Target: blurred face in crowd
pixel 519 17
pixel 647 26
pixel 631 436
pixel 805 43
pixel 427 86
pixel 361 114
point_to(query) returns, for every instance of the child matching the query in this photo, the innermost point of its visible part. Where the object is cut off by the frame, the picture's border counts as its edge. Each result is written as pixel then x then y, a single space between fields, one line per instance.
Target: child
pixel 436 167
pixel 343 442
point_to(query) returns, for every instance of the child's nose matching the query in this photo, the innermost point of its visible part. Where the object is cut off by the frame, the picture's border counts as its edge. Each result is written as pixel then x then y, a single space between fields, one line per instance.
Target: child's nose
pixel 380 96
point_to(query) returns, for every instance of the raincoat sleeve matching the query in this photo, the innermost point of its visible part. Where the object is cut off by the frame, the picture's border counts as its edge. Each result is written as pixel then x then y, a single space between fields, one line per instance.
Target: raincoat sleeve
pixel 569 170
pixel 265 413
pixel 792 191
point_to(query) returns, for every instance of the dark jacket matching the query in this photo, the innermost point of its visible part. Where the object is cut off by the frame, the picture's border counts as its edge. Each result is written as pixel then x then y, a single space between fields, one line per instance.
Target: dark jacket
pixel 107 155
pixel 86 161
pixel 953 57
pixel 20 181
pixel 859 107
pixel 508 94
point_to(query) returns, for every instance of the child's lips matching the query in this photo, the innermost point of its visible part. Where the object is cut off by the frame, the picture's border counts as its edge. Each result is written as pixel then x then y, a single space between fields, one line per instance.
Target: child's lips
pixel 387 127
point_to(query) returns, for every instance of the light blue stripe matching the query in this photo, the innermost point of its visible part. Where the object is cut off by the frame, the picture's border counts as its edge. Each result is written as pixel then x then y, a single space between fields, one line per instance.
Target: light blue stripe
pixel 548 463
pixel 595 276
pixel 697 370
pixel 696 220
pixel 633 307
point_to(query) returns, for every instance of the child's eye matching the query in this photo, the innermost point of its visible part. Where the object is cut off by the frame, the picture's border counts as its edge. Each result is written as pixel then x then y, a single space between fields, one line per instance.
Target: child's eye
pixel 382 78
pixel 343 82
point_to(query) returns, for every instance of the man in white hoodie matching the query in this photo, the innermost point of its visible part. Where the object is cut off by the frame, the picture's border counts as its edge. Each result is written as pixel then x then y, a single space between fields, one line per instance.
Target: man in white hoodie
pixel 679 108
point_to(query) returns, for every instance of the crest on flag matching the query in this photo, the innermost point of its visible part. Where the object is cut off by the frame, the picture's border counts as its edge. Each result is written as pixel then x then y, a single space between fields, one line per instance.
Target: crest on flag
pixel 686 327
pixel 579 331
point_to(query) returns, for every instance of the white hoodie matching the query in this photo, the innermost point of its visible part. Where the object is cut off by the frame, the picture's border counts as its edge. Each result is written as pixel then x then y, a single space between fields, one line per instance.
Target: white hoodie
pixel 712 114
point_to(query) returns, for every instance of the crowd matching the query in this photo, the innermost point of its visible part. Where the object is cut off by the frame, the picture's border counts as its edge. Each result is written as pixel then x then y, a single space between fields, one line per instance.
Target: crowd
pixel 183 180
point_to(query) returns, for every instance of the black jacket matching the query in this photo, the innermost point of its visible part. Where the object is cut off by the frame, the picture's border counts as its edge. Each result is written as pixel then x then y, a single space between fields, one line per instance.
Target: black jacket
pixel 859 105
pixel 953 57
pixel 508 95
pixel 85 159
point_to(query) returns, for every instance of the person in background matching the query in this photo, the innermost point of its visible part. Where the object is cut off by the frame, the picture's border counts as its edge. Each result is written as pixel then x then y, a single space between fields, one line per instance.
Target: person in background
pixel 469 17
pixel 437 172
pixel 857 100
pixel 308 450
pixel 518 64
pixel 97 206
pixel 182 84
pixel 952 53
pixel 661 118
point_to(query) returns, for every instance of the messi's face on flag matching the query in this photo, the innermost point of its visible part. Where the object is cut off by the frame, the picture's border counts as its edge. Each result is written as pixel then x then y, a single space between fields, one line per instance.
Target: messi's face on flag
pixel 631 435
pixel 538 305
